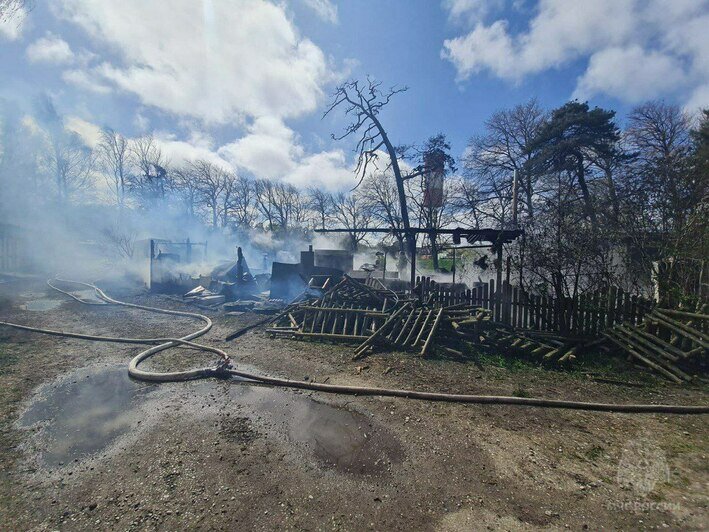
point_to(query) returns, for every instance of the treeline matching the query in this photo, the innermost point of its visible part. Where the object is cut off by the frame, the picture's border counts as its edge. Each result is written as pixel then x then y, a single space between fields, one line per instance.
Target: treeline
pixel 599 204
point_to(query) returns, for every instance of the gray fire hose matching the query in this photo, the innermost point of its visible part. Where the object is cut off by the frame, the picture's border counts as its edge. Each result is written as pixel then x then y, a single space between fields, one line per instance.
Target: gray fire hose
pixel 225 368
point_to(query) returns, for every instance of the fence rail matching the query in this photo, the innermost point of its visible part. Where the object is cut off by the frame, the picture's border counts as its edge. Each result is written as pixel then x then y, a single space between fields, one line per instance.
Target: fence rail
pixel 585 315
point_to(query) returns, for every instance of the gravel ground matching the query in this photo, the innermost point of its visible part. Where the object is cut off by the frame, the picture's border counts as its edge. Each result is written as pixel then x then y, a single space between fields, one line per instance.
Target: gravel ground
pixel 225 455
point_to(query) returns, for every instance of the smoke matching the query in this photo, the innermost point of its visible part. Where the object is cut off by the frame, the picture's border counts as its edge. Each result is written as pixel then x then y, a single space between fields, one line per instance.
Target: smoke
pixel 62 216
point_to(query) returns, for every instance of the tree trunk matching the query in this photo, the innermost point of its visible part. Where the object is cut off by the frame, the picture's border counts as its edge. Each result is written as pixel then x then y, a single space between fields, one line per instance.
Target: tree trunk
pixel 434 250
pixel 588 203
pixel 613 195
pixel 410 238
pixel 528 192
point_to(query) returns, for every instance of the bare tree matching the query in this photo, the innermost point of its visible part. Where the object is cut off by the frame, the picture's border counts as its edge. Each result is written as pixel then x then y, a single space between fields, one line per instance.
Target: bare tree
pixel 210 187
pixel 22 179
pixel 320 203
pixel 350 211
pixel 265 200
pixel 72 162
pixel 282 205
pixel 187 188
pixel 121 239
pixel 69 161
pixel 364 103
pixel 229 191
pixel 243 205
pixel 660 133
pixel 432 199
pixel 151 182
pixel 493 157
pixel 15 10
pixel 380 196
pixel 114 156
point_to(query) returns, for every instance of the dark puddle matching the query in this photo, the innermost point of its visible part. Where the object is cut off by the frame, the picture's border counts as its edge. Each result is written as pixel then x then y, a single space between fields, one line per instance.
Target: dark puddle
pixel 342 439
pixel 85 413
pixel 40 305
pixel 90 409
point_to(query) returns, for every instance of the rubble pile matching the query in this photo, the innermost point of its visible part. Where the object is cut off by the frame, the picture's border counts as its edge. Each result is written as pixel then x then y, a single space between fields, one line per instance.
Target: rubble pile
pixel 673 343
pixel 376 317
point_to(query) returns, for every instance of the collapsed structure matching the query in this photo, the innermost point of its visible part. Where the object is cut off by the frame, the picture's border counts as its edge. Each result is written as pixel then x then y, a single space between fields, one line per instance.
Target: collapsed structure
pixel 446 320
pixel 320 298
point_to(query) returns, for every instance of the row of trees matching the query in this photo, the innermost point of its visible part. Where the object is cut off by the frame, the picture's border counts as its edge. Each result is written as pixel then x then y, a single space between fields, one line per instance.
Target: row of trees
pixel 598 204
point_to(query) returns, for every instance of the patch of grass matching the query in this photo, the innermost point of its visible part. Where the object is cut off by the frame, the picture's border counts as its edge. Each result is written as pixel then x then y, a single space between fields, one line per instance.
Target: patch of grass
pixel 678 446
pixel 443 263
pixel 519 391
pixel 594 453
pixel 611 366
pixel 507 362
pixel 7 359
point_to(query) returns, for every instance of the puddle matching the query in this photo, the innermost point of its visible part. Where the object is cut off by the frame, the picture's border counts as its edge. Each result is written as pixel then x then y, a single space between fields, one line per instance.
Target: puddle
pixel 88 294
pixel 40 305
pixel 342 439
pixel 85 413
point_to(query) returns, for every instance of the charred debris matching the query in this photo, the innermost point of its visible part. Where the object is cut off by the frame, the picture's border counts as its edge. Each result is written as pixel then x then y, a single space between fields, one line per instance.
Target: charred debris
pixel 323 298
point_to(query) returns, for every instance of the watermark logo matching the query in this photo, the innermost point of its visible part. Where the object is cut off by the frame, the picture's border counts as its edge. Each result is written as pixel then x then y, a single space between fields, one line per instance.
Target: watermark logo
pixel 642 466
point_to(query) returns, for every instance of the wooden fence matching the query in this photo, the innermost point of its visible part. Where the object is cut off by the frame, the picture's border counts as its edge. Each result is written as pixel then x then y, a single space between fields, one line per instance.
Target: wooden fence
pixel 585 315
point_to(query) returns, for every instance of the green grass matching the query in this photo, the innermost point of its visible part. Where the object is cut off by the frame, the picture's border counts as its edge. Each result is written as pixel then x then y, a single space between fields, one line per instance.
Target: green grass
pixel 7 359
pixel 427 264
pixel 511 363
pixel 594 453
pixel 519 391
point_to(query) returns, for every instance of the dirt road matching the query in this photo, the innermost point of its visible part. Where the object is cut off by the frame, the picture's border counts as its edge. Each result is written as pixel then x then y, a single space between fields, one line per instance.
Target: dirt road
pixel 84 447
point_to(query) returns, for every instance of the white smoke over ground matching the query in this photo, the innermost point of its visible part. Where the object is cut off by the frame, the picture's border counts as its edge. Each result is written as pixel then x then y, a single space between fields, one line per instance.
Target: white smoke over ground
pixel 77 229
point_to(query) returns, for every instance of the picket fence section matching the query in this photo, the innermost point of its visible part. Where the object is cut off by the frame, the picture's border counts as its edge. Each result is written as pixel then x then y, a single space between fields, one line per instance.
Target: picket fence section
pixel 585 315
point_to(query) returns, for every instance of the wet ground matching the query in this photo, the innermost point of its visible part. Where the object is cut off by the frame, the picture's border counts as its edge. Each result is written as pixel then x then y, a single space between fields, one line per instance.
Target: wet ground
pixel 41 304
pixel 82 446
pixel 84 413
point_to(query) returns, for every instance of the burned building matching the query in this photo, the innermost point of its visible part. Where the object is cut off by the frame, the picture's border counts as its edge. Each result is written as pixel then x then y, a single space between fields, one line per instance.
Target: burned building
pixel 290 280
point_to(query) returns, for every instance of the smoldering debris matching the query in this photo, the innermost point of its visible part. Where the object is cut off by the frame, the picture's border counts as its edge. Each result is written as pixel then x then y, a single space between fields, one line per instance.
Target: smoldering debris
pixel 374 316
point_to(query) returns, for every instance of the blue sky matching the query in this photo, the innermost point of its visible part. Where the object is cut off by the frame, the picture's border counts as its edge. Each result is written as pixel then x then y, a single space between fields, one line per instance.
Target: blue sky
pixel 245 82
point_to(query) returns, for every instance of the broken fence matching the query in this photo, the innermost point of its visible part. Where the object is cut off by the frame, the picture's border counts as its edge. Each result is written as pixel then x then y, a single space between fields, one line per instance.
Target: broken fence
pixel 586 315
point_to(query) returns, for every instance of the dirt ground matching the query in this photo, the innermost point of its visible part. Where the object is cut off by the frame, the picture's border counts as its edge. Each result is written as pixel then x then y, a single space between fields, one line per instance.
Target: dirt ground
pixel 82 447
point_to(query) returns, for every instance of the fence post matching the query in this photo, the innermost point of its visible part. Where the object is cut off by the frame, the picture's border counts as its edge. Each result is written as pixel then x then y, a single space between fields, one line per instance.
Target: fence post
pixel 493 301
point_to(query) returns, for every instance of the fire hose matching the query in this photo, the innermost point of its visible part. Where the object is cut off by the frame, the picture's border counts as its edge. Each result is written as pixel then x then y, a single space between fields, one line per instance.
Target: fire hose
pixel 225 368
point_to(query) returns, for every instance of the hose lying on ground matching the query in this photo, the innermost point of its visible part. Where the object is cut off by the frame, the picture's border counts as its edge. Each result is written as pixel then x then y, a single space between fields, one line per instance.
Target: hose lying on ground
pixel 225 369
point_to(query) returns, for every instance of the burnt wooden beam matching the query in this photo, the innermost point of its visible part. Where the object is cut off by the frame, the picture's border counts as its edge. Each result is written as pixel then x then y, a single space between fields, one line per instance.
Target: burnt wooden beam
pixel 471 235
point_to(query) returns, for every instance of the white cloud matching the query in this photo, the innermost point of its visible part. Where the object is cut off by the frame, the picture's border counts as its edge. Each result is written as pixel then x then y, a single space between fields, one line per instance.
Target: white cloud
pixel 324 9
pixel 470 11
pixel 141 122
pixel 699 99
pixel 628 43
pixel 629 74
pixel 89 133
pixel 179 152
pixel 328 169
pixel 11 26
pixel 242 63
pixel 82 80
pixel 218 61
pixel 484 47
pixel 49 49
pixel 271 150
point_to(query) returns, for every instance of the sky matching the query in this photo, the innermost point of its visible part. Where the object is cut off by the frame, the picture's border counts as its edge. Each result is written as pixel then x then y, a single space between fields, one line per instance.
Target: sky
pixel 244 83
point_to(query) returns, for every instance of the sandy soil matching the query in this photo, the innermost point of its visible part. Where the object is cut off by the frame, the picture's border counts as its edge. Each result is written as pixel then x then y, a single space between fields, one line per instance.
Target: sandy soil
pixel 225 455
